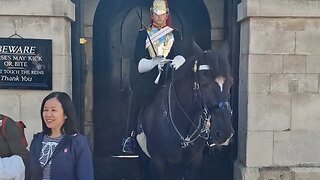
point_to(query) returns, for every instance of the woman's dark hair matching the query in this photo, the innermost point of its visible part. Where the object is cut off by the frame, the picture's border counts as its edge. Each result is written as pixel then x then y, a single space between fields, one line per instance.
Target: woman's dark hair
pixel 69 126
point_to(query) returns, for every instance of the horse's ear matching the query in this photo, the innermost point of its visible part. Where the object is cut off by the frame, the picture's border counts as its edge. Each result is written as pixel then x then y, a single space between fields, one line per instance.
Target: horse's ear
pixel 198 52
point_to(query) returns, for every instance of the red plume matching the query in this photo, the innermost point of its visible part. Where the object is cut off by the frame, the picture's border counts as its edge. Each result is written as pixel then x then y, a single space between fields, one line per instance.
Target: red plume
pixel 169 17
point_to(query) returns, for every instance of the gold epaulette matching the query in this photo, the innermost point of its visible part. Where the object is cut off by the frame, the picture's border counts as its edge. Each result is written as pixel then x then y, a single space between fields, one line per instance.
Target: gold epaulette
pixel 149 28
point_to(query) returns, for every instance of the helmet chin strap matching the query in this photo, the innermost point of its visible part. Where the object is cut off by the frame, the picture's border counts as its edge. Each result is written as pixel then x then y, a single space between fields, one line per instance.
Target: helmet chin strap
pixel 159 26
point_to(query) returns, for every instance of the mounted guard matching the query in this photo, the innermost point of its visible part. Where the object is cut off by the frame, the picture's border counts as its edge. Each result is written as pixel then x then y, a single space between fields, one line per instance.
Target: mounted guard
pixel 156 45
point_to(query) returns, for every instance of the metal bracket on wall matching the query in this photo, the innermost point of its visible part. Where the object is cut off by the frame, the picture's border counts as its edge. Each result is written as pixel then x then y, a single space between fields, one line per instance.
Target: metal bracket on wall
pixel 15 35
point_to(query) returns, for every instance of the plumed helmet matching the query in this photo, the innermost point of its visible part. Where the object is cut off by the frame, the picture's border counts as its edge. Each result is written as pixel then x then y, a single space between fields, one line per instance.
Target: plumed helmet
pixel 159 7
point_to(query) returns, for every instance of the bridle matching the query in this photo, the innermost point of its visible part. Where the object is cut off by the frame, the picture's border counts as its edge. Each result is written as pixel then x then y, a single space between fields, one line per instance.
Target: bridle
pixel 202 130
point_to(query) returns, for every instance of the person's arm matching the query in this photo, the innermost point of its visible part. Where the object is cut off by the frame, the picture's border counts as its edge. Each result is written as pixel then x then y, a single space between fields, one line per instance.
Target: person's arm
pixel 12 168
pixel 84 165
pixel 183 45
pixel 140 50
pixel 14 139
pixel 178 54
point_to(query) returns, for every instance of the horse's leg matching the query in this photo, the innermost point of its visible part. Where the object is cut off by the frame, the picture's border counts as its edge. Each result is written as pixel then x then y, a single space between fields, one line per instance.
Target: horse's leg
pixel 145 171
pixel 157 168
pixel 192 167
pixel 173 172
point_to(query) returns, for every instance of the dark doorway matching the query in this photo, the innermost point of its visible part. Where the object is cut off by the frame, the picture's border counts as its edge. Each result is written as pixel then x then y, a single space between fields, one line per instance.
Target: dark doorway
pixel 116 25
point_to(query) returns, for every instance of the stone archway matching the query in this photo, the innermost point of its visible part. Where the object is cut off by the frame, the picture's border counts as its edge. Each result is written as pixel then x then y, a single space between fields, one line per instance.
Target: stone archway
pixel 114 30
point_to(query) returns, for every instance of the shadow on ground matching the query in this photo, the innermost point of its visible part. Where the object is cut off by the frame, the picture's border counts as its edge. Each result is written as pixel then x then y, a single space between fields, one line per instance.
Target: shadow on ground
pixel 216 165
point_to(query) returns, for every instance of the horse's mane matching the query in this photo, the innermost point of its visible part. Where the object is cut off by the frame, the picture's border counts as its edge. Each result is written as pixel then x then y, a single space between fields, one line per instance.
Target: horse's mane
pixel 216 58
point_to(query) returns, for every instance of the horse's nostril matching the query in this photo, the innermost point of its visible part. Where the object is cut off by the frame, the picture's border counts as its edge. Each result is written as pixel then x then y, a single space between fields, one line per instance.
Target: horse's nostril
pixel 220 136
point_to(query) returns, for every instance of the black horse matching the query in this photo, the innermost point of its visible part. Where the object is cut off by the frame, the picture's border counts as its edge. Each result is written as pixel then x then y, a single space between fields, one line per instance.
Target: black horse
pixel 191 111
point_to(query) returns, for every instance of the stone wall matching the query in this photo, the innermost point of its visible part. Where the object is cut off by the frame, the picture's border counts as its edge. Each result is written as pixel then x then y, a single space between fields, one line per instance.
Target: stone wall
pixel 279 90
pixel 38 19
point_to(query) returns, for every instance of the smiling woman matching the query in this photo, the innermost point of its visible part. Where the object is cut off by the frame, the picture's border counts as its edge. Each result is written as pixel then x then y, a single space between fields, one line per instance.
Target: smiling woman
pixel 54 117
pixel 48 160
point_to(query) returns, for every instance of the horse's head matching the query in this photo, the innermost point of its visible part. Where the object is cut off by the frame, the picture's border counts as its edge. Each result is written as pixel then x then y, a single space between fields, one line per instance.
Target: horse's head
pixel 215 82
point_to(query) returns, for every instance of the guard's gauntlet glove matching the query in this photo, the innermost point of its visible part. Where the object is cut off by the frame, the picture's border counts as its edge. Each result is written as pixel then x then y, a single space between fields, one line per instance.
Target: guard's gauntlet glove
pixel 146 65
pixel 177 61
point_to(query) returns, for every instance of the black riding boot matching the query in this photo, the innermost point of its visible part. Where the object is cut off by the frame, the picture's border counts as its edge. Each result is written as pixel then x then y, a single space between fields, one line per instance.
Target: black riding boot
pixel 136 102
pixel 129 143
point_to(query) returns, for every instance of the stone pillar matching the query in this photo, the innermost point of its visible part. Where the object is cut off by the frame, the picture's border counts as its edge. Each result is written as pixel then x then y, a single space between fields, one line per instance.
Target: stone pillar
pixel 90 7
pixel 279 136
pixel 38 19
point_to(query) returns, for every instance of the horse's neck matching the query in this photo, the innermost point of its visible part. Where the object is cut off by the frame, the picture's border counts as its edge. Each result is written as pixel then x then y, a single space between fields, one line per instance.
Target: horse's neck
pixel 184 94
pixel 183 97
pixel 184 109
